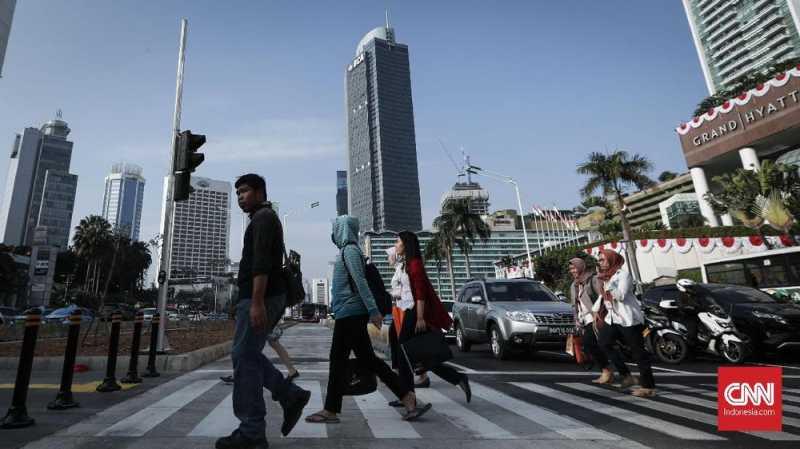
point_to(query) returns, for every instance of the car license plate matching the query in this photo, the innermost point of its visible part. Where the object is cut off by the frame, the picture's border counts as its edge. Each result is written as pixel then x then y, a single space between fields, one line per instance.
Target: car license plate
pixel 562 330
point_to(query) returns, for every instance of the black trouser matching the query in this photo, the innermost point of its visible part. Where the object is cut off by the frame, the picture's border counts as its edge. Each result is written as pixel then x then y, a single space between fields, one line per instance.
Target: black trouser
pixel 632 336
pixel 600 357
pixel 350 334
pixel 446 372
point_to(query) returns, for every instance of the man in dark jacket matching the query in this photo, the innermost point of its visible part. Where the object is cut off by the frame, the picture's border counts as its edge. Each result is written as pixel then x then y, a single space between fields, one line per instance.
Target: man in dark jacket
pixel 262 299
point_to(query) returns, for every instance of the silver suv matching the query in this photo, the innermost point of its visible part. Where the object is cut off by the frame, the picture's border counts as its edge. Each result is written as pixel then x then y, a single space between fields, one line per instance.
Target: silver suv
pixel 510 314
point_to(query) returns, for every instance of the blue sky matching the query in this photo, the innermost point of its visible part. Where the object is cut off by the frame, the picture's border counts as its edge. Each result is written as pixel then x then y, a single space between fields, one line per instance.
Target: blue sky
pixel 528 88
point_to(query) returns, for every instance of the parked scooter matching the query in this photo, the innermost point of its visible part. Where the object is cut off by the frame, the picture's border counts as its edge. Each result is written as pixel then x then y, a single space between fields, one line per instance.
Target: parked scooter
pixel 663 337
pixel 716 333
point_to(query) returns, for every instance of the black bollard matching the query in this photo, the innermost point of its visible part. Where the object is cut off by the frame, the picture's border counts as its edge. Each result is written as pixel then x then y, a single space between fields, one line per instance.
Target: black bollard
pixel 151 359
pixel 110 382
pixel 64 398
pixel 133 366
pixel 17 416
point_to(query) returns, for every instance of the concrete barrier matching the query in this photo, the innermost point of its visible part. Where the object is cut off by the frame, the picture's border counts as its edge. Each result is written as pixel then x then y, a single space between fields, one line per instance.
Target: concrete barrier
pixel 169 363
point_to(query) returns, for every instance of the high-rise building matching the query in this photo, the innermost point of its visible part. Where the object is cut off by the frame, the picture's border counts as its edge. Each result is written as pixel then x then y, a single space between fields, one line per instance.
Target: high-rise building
pixel 122 201
pixel 320 291
pixel 736 37
pixel 200 236
pixel 383 179
pixel 471 191
pixel 341 192
pixel 40 191
pixel 6 16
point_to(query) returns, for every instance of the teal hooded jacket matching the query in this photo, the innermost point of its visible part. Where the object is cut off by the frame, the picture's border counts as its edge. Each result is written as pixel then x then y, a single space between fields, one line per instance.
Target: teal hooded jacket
pixel 345 302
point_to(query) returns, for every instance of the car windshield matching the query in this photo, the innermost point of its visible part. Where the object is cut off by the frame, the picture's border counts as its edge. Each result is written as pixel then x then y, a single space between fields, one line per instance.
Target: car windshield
pixel 148 311
pixel 740 295
pixel 518 292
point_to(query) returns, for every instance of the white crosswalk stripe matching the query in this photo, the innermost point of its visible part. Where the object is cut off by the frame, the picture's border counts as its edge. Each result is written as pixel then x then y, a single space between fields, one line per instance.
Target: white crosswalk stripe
pixel 713 394
pixel 681 412
pixel 463 417
pixel 496 413
pixel 658 425
pixel 311 430
pixel 384 421
pixel 140 423
pixel 712 405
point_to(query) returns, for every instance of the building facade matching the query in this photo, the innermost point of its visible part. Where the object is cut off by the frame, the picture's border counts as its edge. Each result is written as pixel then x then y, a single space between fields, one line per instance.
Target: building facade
pixel 472 192
pixel 6 16
pixel 733 38
pixel 200 238
pixel 320 291
pixel 383 177
pixel 40 191
pixel 123 198
pixel 643 207
pixel 341 192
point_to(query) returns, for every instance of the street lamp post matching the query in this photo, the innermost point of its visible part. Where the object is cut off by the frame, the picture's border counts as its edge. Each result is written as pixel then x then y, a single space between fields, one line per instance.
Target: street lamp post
pixel 479 171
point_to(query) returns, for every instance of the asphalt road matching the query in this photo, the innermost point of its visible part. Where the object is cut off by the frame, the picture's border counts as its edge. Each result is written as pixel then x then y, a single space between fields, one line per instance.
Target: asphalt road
pixel 543 401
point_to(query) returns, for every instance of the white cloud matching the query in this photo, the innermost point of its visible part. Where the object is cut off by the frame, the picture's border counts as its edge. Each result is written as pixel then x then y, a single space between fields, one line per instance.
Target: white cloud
pixel 280 139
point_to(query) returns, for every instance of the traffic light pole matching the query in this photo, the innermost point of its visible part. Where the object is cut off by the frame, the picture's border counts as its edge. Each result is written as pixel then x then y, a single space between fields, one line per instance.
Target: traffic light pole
pixel 169 207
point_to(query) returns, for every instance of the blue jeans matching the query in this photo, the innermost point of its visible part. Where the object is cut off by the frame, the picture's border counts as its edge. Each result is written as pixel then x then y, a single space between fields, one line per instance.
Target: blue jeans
pixel 253 371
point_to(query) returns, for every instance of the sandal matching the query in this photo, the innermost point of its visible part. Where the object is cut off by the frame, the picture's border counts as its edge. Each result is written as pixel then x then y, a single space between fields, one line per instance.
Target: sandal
pixel 417 413
pixel 293 376
pixel 321 418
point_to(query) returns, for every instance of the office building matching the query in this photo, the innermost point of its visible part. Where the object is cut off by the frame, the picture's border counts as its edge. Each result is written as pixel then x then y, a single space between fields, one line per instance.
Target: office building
pixel 734 38
pixel 320 291
pixel 470 191
pixel 6 16
pixel 201 231
pixel 383 178
pixel 341 192
pixel 40 191
pixel 122 201
pixel 644 207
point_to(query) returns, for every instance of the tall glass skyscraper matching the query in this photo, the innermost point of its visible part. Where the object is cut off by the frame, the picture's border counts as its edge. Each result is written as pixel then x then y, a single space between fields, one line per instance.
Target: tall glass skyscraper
pixel 6 15
pixel 40 192
pixel 383 179
pixel 122 201
pixel 341 192
pixel 735 37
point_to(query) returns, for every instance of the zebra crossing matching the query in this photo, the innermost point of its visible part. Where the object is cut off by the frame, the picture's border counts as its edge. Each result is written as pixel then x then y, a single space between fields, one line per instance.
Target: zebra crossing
pixel 199 408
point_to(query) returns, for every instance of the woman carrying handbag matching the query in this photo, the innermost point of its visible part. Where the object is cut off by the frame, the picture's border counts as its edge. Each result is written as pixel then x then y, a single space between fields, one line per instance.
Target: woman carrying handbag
pixel 417 309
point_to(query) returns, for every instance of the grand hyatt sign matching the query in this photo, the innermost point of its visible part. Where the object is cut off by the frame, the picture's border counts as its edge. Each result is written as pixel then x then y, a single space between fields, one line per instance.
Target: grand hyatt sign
pixel 743 121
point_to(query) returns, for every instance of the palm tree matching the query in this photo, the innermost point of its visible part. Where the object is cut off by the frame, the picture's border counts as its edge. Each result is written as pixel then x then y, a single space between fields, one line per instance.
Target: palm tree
pixel 435 251
pixel 91 239
pixel 464 226
pixel 441 245
pixel 612 174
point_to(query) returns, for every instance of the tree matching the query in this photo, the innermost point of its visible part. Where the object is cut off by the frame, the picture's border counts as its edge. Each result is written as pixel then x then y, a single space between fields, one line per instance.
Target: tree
pixel 441 245
pixel 552 267
pixel 464 226
pixel 769 195
pixel 611 174
pixel 91 240
pixel 667 176
pixel 435 251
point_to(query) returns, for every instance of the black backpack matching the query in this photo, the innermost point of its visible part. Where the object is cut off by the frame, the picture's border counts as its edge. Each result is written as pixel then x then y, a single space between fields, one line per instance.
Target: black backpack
pixel 383 300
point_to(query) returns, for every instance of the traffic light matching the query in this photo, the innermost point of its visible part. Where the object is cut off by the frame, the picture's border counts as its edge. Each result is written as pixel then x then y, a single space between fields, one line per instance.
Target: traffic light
pixel 186 160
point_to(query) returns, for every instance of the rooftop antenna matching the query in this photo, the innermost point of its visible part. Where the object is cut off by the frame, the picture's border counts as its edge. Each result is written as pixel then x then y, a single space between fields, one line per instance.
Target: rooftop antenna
pixel 387 18
pixel 466 164
pixel 459 170
pixel 58 114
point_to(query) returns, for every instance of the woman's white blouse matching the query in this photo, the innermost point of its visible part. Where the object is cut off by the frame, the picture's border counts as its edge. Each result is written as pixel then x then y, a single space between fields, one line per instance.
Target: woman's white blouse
pixel 624 309
pixel 401 288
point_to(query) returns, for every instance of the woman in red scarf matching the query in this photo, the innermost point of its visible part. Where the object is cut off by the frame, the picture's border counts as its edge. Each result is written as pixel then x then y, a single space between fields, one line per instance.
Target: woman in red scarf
pixel 427 311
pixel 620 315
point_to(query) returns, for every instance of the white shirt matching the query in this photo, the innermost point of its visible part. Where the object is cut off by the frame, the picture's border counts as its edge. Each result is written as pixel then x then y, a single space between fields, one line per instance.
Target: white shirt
pixel 401 288
pixel 624 309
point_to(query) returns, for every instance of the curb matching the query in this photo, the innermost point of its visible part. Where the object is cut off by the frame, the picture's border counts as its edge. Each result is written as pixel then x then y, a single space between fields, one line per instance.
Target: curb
pixel 165 363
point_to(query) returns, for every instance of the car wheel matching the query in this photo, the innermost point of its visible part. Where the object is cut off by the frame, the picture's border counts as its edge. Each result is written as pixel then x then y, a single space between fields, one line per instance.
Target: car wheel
pixel 461 340
pixel 498 344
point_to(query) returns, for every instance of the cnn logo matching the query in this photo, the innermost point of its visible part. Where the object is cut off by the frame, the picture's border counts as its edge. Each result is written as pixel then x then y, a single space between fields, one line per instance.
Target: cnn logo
pixel 740 393
pixel 749 398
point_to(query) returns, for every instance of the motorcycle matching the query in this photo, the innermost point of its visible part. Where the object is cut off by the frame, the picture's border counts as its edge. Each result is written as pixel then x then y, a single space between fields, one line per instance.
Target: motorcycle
pixel 663 337
pixel 716 333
